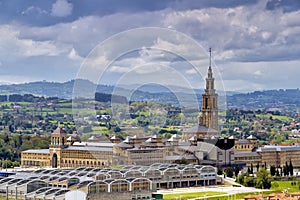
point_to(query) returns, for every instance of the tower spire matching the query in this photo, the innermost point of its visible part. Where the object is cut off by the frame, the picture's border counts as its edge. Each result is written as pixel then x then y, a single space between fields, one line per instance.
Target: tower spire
pixel 210 57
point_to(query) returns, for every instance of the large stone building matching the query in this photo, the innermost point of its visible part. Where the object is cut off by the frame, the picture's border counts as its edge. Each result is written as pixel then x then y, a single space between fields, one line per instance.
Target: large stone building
pixel 278 155
pixel 67 151
pixel 131 151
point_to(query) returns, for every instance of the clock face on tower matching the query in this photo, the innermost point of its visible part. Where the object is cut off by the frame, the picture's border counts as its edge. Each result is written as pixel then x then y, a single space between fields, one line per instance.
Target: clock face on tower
pixel 214 113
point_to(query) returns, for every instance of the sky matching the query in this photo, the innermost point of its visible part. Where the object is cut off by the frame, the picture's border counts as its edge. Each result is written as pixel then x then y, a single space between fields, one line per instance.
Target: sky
pixel 255 43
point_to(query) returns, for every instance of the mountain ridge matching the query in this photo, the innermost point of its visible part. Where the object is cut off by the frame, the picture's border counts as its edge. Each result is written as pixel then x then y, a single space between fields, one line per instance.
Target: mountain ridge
pixel 155 93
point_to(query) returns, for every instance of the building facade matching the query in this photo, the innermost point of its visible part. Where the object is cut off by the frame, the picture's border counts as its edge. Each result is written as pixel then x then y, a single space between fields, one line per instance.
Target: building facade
pixel 278 156
pixel 66 151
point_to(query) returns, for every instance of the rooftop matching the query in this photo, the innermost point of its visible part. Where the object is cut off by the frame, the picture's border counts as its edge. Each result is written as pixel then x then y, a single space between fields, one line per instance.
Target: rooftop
pixel 40 151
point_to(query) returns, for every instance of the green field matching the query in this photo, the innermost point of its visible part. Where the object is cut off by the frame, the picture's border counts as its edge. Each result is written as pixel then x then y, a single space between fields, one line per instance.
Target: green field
pixel 285 185
pixel 208 195
pixel 277 186
pixel 185 196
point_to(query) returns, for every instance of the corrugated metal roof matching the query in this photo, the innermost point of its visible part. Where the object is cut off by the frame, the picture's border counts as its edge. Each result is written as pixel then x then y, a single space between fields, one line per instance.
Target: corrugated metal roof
pixel 89 148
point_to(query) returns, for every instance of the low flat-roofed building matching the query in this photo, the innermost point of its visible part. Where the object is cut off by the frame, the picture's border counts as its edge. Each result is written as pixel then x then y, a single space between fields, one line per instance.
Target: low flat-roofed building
pixel 129 182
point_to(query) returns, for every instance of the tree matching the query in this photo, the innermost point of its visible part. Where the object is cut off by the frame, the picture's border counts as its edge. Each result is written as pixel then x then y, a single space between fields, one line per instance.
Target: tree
pixel 240 179
pixel 108 125
pixel 285 171
pixel 257 166
pixel 277 172
pixel 236 170
pixel 272 170
pixel 6 138
pixel 249 181
pixel 220 171
pixel 265 165
pixel 251 168
pixel 263 179
pixel 117 129
pixel 291 168
pixel 229 172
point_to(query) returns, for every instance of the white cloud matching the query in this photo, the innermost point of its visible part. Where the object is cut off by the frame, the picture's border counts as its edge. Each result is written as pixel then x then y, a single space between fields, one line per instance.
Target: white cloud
pixel 257 73
pixel 12 47
pixel 191 71
pixel 73 55
pixel 240 33
pixel 62 8
pixel 118 69
pixel 149 68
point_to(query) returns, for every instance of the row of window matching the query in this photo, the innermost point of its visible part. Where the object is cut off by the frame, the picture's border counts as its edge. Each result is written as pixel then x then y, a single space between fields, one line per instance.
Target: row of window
pixel 94 163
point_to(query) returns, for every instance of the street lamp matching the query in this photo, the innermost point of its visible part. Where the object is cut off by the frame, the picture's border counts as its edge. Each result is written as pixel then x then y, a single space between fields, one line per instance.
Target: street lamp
pixel 16 190
pixel 6 191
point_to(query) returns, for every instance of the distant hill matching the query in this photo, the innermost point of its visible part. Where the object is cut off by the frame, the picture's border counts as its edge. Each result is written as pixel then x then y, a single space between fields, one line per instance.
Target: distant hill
pixel 281 99
pixel 52 89
pixel 156 93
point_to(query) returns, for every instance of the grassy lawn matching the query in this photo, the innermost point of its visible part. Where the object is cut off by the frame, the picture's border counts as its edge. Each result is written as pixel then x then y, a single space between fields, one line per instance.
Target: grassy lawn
pixel 283 185
pixel 277 186
pixel 185 196
pixel 209 195
pixel 237 196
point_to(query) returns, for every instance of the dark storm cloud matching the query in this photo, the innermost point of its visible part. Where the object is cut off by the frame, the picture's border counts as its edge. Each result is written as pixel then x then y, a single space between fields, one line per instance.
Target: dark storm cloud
pixel 285 5
pixel 38 12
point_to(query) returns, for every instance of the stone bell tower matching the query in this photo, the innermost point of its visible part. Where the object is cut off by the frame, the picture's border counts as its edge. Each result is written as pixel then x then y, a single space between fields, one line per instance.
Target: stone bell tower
pixel 58 142
pixel 209 111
